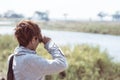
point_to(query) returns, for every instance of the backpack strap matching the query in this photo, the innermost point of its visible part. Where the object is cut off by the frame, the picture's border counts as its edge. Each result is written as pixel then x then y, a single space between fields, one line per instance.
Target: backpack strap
pixel 10 74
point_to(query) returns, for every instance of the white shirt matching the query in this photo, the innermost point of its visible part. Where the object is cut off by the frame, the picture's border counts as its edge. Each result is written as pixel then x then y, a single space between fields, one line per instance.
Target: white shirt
pixel 27 65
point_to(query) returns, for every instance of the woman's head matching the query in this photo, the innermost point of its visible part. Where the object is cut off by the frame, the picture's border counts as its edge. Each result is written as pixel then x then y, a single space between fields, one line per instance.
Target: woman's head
pixel 25 31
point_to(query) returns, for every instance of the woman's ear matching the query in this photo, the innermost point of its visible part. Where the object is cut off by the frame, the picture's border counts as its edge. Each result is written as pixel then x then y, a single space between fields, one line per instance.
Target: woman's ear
pixel 33 40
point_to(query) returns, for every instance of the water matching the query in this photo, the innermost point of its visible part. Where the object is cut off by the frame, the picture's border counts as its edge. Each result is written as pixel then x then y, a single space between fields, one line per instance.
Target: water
pixel 106 42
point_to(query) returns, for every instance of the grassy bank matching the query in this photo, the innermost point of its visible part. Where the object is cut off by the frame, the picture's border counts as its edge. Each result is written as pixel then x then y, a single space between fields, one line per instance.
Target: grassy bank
pixel 90 27
pixel 85 62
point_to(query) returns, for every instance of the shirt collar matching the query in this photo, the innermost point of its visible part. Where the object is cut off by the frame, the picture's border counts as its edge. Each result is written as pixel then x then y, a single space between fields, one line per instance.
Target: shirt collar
pixel 23 50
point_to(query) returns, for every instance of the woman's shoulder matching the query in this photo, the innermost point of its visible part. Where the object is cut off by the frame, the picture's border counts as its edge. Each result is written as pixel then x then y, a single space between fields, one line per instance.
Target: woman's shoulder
pixel 32 57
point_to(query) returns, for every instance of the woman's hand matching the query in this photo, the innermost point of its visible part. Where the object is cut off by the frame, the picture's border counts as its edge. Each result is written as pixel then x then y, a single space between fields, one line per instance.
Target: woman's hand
pixel 45 39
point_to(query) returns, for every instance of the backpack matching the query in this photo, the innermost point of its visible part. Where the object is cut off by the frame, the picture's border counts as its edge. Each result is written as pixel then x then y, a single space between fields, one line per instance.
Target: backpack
pixel 10 74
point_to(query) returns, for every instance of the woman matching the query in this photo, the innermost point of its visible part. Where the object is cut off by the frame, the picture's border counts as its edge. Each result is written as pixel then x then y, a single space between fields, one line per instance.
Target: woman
pixel 27 65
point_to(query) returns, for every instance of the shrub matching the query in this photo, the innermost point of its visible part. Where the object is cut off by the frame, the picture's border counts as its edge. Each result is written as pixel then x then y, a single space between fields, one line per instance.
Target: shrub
pixel 85 62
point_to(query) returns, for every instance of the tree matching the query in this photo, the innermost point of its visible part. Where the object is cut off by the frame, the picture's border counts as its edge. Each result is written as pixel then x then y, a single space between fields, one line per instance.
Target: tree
pixel 116 16
pixel 65 16
pixel 102 15
pixel 12 14
pixel 40 16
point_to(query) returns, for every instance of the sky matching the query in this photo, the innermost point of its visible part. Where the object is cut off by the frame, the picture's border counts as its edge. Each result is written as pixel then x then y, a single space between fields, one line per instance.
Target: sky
pixel 75 9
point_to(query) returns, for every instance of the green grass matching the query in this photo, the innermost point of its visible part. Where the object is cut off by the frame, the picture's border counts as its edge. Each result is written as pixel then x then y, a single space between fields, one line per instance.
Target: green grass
pixel 110 27
pixel 85 62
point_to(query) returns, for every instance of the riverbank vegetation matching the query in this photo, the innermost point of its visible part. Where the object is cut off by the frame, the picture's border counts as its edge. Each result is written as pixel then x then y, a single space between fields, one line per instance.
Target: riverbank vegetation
pixel 85 62
pixel 108 27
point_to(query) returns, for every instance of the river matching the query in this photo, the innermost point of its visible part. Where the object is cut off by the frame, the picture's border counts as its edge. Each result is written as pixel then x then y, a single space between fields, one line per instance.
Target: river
pixel 110 43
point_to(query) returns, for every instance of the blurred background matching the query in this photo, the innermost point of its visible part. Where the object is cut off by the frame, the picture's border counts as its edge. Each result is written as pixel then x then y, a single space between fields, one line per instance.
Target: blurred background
pixel 88 31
